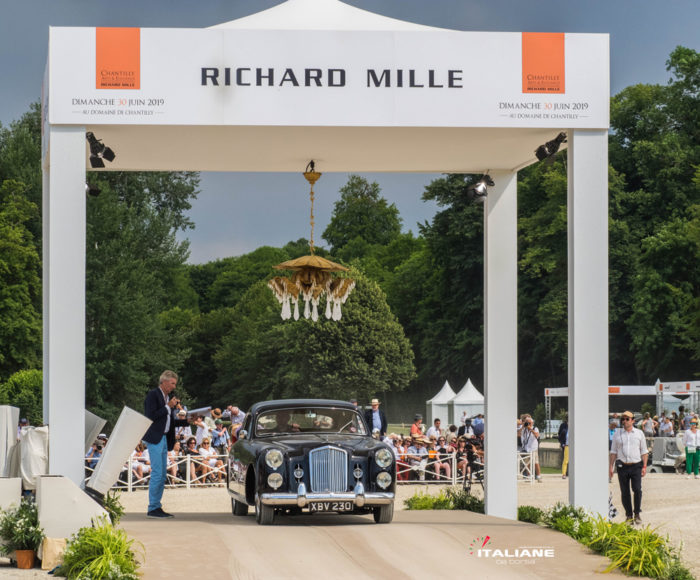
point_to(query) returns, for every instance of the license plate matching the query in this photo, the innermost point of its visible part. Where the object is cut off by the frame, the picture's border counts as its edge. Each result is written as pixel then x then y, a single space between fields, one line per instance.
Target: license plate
pixel 331 506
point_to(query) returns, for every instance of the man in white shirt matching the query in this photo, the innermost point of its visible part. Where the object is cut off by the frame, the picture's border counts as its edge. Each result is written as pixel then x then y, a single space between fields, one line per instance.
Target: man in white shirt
pixel 629 453
pixel 435 430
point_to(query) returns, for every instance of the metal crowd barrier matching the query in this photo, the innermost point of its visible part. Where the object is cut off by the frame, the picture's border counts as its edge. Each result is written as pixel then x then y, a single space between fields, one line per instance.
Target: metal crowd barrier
pixel 129 481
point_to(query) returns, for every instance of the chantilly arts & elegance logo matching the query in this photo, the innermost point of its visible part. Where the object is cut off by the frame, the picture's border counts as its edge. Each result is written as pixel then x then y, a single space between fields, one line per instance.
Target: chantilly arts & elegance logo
pixel 482 547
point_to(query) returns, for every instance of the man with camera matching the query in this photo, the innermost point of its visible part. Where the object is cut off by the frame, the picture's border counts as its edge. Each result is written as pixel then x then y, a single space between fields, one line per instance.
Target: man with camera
pixel 530 442
pixel 160 438
pixel 629 453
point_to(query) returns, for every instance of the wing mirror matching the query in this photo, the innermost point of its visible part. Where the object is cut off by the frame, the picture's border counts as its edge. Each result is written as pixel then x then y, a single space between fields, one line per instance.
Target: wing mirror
pixel 242 434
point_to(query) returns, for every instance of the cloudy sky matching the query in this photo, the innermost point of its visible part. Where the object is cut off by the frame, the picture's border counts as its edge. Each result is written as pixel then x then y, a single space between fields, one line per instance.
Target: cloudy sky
pixel 235 213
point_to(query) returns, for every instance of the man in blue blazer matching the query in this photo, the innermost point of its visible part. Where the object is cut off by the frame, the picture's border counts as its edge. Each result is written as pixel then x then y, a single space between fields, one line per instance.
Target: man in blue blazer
pixel 160 438
pixel 376 419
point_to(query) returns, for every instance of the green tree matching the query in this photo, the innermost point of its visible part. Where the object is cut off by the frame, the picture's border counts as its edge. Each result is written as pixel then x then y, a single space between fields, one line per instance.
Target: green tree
pixel 364 354
pixel 361 216
pixel 24 389
pixel 20 285
pixel 131 255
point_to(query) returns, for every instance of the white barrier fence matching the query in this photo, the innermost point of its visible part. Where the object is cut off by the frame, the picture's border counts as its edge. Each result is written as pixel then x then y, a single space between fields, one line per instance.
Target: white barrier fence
pixel 191 471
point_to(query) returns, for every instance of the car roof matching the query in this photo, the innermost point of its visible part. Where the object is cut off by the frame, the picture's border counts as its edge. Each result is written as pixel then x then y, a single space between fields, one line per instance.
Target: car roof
pixel 288 403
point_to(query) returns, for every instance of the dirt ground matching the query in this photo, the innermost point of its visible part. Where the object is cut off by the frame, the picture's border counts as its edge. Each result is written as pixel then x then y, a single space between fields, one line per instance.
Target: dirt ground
pixel 670 503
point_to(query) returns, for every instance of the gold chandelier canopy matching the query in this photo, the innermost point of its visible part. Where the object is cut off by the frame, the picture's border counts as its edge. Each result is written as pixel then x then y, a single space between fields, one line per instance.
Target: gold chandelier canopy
pixel 312 277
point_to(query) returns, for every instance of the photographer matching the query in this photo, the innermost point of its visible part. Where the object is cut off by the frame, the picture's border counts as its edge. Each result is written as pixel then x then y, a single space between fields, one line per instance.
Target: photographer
pixel 530 442
pixel 93 455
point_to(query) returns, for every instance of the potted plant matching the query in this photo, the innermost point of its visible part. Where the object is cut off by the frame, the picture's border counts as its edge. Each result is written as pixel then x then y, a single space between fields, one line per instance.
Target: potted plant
pixel 21 533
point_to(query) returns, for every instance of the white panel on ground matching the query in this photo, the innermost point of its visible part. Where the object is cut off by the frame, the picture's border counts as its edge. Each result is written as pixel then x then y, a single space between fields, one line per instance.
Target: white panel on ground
pixel 10 491
pixel 64 508
pixel 9 419
pixel 93 427
pixel 130 428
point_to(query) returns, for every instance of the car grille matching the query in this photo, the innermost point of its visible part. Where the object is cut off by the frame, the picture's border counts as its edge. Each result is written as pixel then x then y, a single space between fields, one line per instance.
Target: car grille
pixel 328 467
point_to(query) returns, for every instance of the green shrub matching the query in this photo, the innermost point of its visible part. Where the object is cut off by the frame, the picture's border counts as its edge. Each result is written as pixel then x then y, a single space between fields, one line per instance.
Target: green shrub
pixel 113 505
pixel 99 553
pixel 419 501
pixel 425 501
pixel 642 553
pixel 24 390
pixel 19 527
pixel 461 500
pixel 560 510
pixel 529 513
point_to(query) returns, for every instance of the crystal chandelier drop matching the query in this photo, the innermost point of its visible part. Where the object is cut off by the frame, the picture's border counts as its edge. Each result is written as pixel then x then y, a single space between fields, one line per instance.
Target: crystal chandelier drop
pixel 312 277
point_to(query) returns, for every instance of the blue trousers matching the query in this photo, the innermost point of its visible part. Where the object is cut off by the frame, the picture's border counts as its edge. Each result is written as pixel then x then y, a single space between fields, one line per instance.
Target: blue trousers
pixel 158 453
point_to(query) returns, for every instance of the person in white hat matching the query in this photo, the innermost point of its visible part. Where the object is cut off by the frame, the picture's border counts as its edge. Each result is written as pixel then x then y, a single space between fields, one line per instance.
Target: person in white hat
pixel 376 419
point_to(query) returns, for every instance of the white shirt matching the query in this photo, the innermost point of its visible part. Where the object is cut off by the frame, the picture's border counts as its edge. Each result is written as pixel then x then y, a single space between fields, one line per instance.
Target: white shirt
pixel 691 439
pixel 433 431
pixel 529 439
pixel 629 446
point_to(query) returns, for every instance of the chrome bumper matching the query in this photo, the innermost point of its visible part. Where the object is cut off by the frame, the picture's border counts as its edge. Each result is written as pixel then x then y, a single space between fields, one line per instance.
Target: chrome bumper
pixel 302 498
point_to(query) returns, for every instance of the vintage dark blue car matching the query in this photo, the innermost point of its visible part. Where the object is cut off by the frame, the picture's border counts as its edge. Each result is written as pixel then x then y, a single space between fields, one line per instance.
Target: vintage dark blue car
pixel 310 455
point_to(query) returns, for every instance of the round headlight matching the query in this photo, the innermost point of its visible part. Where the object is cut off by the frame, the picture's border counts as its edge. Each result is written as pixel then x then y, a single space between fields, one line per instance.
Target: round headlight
pixel 274 458
pixel 383 458
pixel 274 480
pixel 384 479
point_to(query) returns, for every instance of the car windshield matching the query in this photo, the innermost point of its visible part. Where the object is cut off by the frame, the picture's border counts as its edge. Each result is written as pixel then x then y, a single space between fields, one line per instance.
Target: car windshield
pixel 309 420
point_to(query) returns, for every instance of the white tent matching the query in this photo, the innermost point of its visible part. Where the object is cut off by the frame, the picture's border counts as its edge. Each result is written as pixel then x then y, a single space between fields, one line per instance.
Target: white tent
pixel 469 400
pixel 437 406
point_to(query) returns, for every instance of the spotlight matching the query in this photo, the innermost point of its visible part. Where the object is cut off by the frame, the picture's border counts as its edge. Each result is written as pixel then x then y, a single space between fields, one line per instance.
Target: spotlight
pixel 98 151
pixel 92 190
pixel 478 191
pixel 548 150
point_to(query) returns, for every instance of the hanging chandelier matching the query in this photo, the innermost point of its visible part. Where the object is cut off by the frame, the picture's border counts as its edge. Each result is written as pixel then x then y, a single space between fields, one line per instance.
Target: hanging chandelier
pixel 312 277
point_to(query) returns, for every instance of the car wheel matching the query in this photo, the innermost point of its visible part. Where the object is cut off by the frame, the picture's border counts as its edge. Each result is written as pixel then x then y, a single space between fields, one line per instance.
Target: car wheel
pixel 264 514
pixel 239 508
pixel 384 514
pixel 655 469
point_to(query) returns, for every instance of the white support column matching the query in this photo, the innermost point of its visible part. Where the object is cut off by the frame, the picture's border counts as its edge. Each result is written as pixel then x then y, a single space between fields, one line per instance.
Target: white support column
pixel 64 300
pixel 588 318
pixel 501 344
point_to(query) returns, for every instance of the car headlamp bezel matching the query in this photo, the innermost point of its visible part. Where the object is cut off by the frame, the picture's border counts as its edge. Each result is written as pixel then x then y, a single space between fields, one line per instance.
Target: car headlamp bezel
pixel 384 479
pixel 274 458
pixel 383 458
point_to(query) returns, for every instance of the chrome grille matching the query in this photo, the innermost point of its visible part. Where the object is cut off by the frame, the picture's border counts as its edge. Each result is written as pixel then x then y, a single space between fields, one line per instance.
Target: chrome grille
pixel 328 468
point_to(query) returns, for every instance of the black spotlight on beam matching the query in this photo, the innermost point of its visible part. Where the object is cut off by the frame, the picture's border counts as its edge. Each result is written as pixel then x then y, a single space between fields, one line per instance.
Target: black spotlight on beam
pixel 548 150
pixel 478 191
pixel 92 190
pixel 98 151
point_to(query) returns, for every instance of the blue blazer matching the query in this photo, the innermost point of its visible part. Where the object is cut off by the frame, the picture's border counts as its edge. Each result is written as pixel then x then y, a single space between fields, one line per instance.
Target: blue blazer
pixel 382 417
pixel 157 411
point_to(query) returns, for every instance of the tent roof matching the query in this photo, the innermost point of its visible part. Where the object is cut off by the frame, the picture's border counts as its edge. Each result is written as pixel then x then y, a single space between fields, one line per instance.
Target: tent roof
pixel 468 395
pixel 319 15
pixel 444 396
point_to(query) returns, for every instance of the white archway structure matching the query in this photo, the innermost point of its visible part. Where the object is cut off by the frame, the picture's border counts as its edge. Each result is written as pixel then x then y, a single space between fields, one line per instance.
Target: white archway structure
pixel 317 79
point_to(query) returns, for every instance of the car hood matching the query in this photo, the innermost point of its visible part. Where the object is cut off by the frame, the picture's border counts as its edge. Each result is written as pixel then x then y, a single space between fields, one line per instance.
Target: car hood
pixel 302 443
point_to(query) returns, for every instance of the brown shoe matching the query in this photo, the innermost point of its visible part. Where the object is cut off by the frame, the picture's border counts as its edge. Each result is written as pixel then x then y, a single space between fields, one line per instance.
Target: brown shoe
pixel 638 520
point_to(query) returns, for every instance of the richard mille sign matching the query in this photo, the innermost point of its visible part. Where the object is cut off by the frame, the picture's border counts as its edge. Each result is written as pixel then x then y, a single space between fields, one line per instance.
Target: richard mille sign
pixel 322 78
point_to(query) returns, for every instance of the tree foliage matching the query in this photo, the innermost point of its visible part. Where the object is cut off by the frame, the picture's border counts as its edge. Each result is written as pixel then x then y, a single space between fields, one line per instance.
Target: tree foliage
pixel 20 284
pixel 24 389
pixel 361 217
pixel 364 354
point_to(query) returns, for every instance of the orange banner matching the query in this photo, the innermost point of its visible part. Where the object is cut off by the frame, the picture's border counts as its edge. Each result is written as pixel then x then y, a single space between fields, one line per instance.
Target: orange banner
pixel 544 62
pixel 118 58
